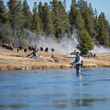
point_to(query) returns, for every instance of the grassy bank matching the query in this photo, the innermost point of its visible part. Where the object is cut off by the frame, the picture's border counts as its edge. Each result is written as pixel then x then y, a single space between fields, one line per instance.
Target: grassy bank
pixel 11 60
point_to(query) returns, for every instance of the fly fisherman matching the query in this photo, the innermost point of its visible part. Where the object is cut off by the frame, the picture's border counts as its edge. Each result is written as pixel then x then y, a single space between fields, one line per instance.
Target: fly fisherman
pixel 78 63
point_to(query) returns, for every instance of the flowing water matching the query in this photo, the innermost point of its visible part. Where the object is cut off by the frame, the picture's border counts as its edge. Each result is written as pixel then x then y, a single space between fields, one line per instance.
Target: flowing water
pixel 55 90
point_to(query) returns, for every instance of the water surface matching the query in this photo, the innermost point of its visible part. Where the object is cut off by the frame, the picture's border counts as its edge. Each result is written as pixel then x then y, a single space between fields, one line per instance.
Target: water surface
pixel 55 90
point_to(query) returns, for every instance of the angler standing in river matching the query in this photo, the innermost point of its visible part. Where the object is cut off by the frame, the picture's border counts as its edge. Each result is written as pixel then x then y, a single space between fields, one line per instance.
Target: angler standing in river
pixel 78 63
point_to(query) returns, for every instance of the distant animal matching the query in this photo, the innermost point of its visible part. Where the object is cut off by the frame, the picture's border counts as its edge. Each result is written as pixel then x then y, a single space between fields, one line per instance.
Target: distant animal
pixel 7 46
pixel 46 49
pixel 31 48
pixel 52 50
pixel 19 48
pixel 41 49
pixel 25 50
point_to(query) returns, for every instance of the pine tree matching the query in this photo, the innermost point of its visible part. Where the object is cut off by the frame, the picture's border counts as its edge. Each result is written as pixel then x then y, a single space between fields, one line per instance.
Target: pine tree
pixel 40 9
pixel 2 19
pixel 47 20
pixel 73 14
pixel 16 20
pixel 40 14
pixel 88 17
pixel 80 24
pixel 15 13
pixel 56 19
pixel 60 18
pixel 36 22
pixel 103 30
pixel 12 5
pixel 2 12
pixel 85 39
pixel 27 15
pixel 82 5
pixel 64 18
pixel 86 42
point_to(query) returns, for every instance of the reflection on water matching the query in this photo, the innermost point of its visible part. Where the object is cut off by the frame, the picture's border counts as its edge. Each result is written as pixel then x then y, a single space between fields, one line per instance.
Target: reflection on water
pixel 55 90
pixel 13 106
pixel 78 102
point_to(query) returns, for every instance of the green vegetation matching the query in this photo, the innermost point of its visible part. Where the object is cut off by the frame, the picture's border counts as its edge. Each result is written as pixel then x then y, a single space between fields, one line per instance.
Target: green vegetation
pixel 53 20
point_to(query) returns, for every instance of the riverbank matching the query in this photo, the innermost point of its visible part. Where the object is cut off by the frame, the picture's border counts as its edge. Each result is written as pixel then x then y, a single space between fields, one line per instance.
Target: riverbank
pixel 11 60
pixel 21 63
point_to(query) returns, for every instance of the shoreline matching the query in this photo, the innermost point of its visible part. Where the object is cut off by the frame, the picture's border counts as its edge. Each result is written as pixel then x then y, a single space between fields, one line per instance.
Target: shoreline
pixel 11 61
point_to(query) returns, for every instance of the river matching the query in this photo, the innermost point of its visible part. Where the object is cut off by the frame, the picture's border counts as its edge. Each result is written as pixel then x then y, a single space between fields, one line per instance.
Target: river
pixel 55 90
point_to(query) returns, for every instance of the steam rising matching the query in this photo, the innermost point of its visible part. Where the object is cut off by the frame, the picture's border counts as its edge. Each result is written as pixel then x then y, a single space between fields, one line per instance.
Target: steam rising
pixel 101 49
pixel 64 45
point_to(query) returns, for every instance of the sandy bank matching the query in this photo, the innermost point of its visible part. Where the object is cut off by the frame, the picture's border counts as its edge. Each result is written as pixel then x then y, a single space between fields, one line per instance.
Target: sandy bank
pixel 13 61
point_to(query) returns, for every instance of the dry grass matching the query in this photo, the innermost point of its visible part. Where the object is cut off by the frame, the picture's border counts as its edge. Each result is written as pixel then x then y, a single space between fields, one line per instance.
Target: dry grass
pixel 9 60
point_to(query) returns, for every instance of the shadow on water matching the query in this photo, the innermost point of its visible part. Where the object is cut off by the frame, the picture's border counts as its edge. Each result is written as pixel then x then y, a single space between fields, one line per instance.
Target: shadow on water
pixel 14 106
pixel 78 102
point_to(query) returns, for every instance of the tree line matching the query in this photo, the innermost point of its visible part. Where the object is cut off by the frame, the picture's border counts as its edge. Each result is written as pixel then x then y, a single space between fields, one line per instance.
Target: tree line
pixel 53 20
